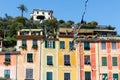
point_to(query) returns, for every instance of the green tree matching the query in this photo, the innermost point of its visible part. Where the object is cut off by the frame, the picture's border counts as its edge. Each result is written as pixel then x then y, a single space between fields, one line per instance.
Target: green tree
pixel 22 8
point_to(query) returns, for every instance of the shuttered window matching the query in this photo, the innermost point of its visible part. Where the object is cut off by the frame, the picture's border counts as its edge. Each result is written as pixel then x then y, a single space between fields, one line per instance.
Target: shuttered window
pixel 104 61
pixel 113 45
pixel 104 76
pixel 49 60
pixel 67 60
pixel 62 44
pixel 87 75
pixel 103 44
pixel 86 46
pixel 49 44
pixel 66 76
pixel 71 44
pixel 115 76
pixel 29 57
pixel 24 42
pixel 49 76
pixel 114 61
pixel 29 73
pixel 6 73
pixel 34 42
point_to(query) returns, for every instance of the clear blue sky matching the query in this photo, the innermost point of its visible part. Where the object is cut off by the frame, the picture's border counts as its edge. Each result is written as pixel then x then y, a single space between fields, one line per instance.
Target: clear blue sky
pixel 105 12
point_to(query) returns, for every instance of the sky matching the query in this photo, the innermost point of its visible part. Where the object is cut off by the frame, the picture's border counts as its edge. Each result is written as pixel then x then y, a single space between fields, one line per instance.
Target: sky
pixel 105 12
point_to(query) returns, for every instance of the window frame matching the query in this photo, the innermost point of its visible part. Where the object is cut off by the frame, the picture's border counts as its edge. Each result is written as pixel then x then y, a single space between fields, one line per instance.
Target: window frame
pixel 7 73
pixel 114 45
pixel 115 76
pixel 30 55
pixel 67 60
pixel 62 44
pixel 29 73
pixel 7 58
pixel 86 45
pixel 50 74
pixel 66 76
pixel 104 62
pixel 24 42
pixel 88 58
pixel 34 42
pixel 49 60
pixel 49 44
pixel 106 75
pixel 113 62
pixel 103 45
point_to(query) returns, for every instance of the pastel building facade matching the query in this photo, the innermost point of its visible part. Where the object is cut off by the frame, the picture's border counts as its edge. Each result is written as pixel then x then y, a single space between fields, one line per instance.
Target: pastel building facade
pixel 8 64
pixel 8 61
pixel 99 55
pixel 49 58
pixel 29 45
pixel 67 56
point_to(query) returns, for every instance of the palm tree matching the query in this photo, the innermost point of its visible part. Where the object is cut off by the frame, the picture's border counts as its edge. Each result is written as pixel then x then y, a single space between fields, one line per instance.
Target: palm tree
pixel 23 9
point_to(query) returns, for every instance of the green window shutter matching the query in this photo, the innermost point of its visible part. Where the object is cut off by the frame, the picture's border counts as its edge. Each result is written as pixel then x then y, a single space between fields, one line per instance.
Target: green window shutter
pixel 71 45
pixel 114 61
pixel 45 44
pixel 53 44
pixel 29 57
pixel 87 75
pixel 62 45
pixel 86 46
pixel 104 61
pixel 49 76
pixel 115 76
pixel 104 76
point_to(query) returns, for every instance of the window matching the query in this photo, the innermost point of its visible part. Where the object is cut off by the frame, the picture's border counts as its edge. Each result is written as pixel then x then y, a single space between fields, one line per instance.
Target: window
pixel 104 61
pixel 29 73
pixel 62 44
pixel 66 76
pixel 67 60
pixel 49 60
pixel 87 60
pixel 29 57
pixel 49 76
pixel 103 45
pixel 113 45
pixel 86 46
pixel 115 76
pixel 6 73
pixel 34 42
pixel 49 44
pixel 24 42
pixel 71 44
pixel 42 12
pixel 104 76
pixel 114 61
pixel 7 57
pixel 87 75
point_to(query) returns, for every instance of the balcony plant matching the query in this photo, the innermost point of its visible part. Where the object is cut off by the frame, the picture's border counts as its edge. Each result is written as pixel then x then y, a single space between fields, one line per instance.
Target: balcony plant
pixel 7 62
pixel 35 46
pixel 23 46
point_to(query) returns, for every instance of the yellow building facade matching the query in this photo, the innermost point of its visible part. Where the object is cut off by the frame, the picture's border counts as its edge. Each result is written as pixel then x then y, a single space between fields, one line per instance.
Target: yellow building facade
pixel 67 56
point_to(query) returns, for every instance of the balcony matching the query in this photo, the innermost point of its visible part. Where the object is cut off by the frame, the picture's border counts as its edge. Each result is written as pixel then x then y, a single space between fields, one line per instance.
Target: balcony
pixel 9 49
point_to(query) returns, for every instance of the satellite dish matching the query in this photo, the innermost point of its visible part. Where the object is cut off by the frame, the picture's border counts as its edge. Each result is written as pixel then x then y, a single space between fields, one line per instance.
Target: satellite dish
pixel 41 17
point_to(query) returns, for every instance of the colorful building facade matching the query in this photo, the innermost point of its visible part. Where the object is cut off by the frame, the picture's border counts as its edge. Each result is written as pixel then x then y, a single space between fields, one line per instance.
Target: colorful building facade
pixel 49 58
pixel 67 56
pixel 29 44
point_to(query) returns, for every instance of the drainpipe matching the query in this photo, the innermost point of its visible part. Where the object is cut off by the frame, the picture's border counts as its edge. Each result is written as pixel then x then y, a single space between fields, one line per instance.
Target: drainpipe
pixel 98 62
pixel 16 64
